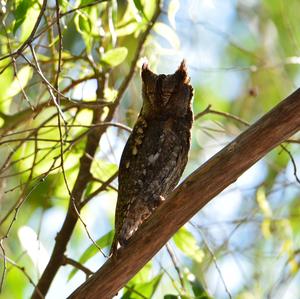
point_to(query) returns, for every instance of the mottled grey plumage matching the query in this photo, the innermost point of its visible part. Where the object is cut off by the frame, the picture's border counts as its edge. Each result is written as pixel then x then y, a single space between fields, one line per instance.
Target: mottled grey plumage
pixel 156 152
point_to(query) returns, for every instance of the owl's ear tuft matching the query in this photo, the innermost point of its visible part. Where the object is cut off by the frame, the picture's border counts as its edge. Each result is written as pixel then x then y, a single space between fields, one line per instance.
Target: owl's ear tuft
pixel 182 66
pixel 182 73
pixel 145 66
pixel 146 74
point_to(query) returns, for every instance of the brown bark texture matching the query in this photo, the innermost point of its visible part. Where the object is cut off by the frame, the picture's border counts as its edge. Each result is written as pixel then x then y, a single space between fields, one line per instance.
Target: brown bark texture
pixel 195 192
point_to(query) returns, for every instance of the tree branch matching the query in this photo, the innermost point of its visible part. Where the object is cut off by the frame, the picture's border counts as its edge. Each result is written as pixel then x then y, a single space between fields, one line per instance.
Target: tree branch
pixel 84 175
pixel 194 193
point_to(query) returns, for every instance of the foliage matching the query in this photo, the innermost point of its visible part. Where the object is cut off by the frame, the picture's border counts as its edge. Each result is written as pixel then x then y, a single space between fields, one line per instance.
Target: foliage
pixel 70 91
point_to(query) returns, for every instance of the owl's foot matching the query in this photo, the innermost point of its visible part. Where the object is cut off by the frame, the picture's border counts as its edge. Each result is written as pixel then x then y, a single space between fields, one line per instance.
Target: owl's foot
pixel 114 247
pixel 162 199
pixel 158 201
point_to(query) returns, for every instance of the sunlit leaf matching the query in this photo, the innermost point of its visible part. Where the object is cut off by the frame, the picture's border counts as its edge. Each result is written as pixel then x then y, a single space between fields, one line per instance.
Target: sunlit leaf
pixel 140 8
pixel 26 25
pixel 103 242
pixel 103 169
pixel 147 289
pixel 115 56
pixel 83 26
pixel 138 5
pixel 168 33
pixel 172 10
pixel 143 275
pixel 287 247
pixel 14 277
pixel 82 23
pixel 263 203
pixel 186 242
pixel 110 94
pixel 294 266
pixel 127 29
pixel 266 228
pixel 20 13
pixel 6 80
pixel 20 81
pixel 33 247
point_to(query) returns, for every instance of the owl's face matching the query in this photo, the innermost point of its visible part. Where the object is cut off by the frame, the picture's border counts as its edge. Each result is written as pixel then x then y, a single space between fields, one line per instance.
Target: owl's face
pixel 168 95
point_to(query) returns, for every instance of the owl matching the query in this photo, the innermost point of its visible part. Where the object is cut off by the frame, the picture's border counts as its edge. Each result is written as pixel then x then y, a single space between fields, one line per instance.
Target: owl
pixel 156 152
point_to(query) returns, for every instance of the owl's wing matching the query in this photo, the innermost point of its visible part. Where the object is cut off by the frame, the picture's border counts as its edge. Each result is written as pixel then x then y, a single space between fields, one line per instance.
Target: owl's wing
pixel 150 167
pixel 154 167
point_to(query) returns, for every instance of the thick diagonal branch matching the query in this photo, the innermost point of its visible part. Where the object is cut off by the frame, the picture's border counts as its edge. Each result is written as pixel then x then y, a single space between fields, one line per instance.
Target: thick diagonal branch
pixel 195 192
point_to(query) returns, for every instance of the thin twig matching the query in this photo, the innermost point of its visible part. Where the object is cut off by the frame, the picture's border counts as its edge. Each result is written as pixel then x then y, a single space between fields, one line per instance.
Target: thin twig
pixel 208 110
pixel 23 270
pixel 87 231
pixel 293 163
pixel 77 265
pixel 81 7
pixel 176 266
pixel 103 187
pixel 15 68
pixel 30 38
pixel 214 260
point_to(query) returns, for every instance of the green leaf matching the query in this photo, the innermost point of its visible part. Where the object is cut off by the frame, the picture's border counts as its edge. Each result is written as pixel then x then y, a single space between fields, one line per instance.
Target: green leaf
pixel 173 8
pixel 186 242
pixel 105 171
pixel 83 26
pixel 168 33
pixel 138 5
pixel 198 290
pixel 21 12
pixel 20 81
pixel 127 29
pixel 142 276
pixel 84 2
pixel 14 276
pixel 170 296
pixel 6 80
pixel 147 289
pixel 263 203
pixel 103 242
pixel 82 23
pixel 140 8
pixel 115 56
pixel 27 23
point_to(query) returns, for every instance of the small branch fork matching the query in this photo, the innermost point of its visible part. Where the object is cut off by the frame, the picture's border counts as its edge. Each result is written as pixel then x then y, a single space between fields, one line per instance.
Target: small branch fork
pixel 77 265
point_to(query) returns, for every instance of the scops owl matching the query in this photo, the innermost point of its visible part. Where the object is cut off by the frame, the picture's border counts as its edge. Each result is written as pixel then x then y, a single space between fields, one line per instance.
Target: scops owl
pixel 156 152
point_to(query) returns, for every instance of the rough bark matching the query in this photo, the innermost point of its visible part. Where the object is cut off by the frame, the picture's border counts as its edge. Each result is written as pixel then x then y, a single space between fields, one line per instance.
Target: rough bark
pixel 195 192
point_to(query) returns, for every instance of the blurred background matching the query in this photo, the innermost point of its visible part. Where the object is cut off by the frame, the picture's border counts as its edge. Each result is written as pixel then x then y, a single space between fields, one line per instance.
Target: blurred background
pixel 243 58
